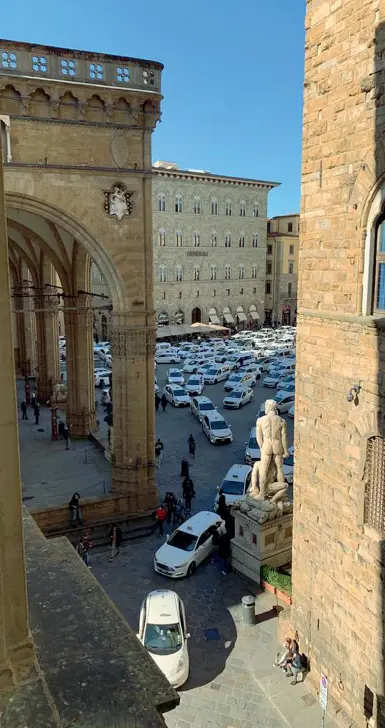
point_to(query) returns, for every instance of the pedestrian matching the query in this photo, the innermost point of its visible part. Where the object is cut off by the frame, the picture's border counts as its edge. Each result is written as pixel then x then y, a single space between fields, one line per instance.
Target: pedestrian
pixel 159 447
pixel 222 508
pixel 179 514
pixel 188 492
pixel 116 537
pixel 60 428
pixel 83 549
pixel 163 401
pixel 67 437
pixel 36 412
pixel 224 553
pixel 33 400
pixel 191 446
pixel 157 402
pixel 170 502
pixel 161 517
pixel 75 510
pixel 23 408
pixel 184 468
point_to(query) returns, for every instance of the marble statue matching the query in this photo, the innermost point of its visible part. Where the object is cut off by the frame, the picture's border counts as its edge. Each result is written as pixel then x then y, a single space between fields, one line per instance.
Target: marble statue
pixel 272 440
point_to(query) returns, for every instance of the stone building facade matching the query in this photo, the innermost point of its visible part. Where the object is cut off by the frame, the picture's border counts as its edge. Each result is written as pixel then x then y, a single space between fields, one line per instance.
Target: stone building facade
pixel 339 520
pixel 282 269
pixel 209 246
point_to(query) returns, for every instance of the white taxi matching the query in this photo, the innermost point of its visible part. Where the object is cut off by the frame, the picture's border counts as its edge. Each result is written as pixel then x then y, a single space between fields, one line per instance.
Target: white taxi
pixel 194 384
pixel 236 381
pixel 238 397
pixel 176 395
pixel 189 545
pixel 235 484
pixel 175 376
pixel 216 373
pixel 163 632
pixel 216 429
pixel 201 406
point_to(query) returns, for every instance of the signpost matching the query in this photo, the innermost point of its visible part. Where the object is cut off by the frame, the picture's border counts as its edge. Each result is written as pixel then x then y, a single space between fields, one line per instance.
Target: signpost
pixel 323 697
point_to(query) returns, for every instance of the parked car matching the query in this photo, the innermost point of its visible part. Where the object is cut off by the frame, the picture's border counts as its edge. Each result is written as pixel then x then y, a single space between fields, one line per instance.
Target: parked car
pixel 238 397
pixel 284 400
pixel 216 429
pixel 176 395
pixel 273 378
pixel 189 545
pixel 287 380
pixel 251 369
pixel 238 380
pixel 102 377
pixel 194 384
pixel 168 356
pixel 217 373
pixel 252 452
pixel 205 368
pixel 192 365
pixel 235 484
pixel 200 406
pixel 163 632
pixel 175 376
pixel 290 411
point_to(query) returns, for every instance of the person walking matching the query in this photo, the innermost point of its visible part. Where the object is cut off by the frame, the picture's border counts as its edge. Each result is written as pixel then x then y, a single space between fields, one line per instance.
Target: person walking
pixel 191 446
pixel 23 408
pixel 33 400
pixel 159 447
pixel 60 428
pixel 184 468
pixel 116 538
pixel 75 510
pixel 83 549
pixel 179 514
pixel 36 412
pixel 163 401
pixel 157 402
pixel 170 502
pixel 188 492
pixel 66 435
pixel 161 517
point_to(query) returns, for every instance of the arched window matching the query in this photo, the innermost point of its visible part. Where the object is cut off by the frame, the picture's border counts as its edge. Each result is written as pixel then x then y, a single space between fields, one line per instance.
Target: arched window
pixel 379 270
pixel 214 239
pixel 242 240
pixel 179 238
pixel 255 240
pixel 162 202
pixel 214 207
pixel 255 209
pixel 179 273
pixel 196 239
pixel 162 273
pixel 241 271
pixel 213 273
pixel 228 208
pixel 197 205
pixel 242 208
pixel 254 272
pixel 227 272
pixel 178 203
pixel 162 238
pixel 196 272
pixel 228 240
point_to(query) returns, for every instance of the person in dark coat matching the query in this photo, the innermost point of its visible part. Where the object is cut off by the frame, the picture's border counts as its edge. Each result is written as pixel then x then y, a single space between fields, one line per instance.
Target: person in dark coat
pixel 163 401
pixel 61 427
pixel 36 412
pixel 75 510
pixel 116 537
pixel 184 468
pixel 224 553
pixel 188 492
pixel 66 435
pixel 222 509
pixel 170 502
pixel 23 408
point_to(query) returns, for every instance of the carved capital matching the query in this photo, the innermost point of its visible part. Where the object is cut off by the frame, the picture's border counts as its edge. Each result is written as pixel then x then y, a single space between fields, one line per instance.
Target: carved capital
pixel 131 343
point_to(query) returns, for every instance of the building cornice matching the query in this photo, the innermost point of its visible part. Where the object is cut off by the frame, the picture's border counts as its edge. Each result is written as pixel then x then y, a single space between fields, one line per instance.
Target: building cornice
pixel 182 174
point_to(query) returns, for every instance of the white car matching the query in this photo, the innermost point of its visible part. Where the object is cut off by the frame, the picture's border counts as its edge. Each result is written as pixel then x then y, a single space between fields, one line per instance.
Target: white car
pixel 163 632
pixel 283 403
pixel 252 452
pixel 252 369
pixel 238 397
pixel 194 384
pixel 273 378
pixel 235 484
pixel 200 406
pixel 176 395
pixel 290 411
pixel 216 429
pixel 216 373
pixel 205 367
pixel 192 365
pixel 188 546
pixel 102 377
pixel 175 376
pixel 236 381
pixel 167 357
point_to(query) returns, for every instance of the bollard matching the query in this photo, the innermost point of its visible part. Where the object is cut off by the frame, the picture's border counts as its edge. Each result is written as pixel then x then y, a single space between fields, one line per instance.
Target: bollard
pixel 248 609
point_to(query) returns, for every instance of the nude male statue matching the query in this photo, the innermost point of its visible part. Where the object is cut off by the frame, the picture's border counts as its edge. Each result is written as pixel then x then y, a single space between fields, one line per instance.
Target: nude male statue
pixel 272 440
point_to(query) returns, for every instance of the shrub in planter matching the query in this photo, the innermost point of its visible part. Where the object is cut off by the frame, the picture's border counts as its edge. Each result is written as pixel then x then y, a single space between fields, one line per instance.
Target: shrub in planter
pixel 282 582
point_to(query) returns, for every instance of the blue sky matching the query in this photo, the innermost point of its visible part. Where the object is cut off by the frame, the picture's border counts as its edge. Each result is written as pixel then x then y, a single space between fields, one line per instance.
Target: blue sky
pixel 232 82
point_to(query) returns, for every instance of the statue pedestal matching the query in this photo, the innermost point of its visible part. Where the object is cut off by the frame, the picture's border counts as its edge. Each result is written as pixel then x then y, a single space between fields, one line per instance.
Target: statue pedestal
pixel 256 544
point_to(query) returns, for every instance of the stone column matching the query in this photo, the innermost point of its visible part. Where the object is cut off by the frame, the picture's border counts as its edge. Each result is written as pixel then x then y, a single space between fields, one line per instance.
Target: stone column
pixel 16 645
pixel 78 322
pixel 133 413
pixel 29 322
pixel 48 366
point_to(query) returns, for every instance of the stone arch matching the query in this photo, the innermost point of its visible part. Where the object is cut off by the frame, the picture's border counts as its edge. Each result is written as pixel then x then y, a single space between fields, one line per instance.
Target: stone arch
pixel 196 315
pixel 40 103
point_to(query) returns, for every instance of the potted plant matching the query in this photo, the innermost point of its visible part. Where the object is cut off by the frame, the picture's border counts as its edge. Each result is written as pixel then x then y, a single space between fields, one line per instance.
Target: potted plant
pixel 276 583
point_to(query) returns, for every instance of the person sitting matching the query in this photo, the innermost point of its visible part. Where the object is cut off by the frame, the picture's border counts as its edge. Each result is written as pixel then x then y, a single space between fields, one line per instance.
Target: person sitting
pixel 295 668
pixel 281 659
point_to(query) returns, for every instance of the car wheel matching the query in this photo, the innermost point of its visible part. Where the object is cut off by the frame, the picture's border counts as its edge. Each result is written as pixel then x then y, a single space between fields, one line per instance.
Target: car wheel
pixel 240 405
pixel 215 381
pixel 191 569
pixel 172 361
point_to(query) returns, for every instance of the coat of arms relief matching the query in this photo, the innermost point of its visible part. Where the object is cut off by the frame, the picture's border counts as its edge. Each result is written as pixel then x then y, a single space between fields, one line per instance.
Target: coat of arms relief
pixel 118 201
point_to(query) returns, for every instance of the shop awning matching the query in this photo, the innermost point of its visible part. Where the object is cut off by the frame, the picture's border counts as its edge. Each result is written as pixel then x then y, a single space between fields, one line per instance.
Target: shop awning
pixel 228 318
pixel 254 315
pixel 241 316
pixel 214 319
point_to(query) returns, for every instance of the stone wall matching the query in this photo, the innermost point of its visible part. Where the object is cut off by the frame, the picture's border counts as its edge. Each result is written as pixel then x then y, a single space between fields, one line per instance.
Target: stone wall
pixel 337 563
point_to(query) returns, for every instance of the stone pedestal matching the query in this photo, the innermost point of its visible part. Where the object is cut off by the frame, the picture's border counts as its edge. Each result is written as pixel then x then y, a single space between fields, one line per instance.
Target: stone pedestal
pixel 256 544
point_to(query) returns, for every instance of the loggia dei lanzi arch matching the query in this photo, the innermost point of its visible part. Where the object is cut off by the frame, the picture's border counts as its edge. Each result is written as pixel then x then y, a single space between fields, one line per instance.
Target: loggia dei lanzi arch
pixel 76 133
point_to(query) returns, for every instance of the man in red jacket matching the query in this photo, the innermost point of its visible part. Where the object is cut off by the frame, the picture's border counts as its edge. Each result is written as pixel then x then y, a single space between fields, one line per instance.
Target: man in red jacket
pixel 161 514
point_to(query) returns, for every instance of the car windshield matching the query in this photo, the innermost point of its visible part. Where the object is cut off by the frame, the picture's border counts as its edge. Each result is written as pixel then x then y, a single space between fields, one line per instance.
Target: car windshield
pixel 289 460
pixel 194 381
pixel 164 639
pixel 212 371
pixel 219 425
pixel 173 375
pixel 179 392
pixel 206 406
pixel 182 540
pixel 235 378
pixel 253 445
pixel 234 395
pixel 232 487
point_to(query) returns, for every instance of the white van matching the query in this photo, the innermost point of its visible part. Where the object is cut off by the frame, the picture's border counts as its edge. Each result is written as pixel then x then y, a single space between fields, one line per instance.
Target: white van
pixel 241 359
pixel 162 346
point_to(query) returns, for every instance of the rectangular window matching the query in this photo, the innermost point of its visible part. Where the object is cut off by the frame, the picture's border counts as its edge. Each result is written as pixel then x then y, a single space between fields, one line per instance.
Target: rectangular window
pixel 268 287
pixel 180 294
pixel 197 294
pixel 228 291
pixel 164 294
pixel 254 290
pixel 241 292
pixel 290 227
pixel 269 227
pixel 269 250
pixel 268 269
pixel 290 289
pixel 214 294
pixel 291 267
pixel 291 250
pixel 380 297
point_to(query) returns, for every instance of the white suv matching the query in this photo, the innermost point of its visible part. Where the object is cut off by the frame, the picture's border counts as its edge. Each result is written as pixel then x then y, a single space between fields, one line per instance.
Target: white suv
pixel 188 546
pixel 216 429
